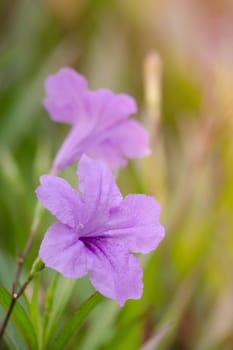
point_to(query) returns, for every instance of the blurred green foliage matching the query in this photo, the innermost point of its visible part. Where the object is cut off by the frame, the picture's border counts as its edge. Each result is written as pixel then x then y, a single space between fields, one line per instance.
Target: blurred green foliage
pixel 188 279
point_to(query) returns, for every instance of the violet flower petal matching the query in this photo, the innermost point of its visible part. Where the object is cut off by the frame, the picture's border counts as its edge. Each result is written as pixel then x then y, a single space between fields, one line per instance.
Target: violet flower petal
pixel 99 231
pixel 127 139
pixel 99 190
pixel 62 251
pixel 74 145
pixel 136 222
pixel 132 138
pixel 109 153
pixel 115 273
pixel 100 120
pixel 65 100
pixel 60 199
pixel 107 108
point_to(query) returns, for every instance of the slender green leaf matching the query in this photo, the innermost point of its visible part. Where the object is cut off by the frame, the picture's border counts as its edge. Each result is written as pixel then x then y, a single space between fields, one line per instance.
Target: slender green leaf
pixel 49 302
pixel 11 335
pixel 57 298
pixel 100 332
pixel 19 318
pixel 11 342
pixel 76 321
pixel 34 309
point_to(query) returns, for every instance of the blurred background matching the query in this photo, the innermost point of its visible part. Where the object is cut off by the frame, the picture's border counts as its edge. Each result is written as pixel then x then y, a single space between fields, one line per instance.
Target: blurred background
pixel 176 58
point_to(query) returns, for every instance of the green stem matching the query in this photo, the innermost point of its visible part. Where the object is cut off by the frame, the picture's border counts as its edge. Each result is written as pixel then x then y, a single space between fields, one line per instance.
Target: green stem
pixel 37 266
pixel 14 294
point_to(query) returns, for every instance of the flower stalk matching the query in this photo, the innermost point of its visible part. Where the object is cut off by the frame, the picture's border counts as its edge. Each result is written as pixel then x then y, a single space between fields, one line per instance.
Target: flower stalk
pixel 37 266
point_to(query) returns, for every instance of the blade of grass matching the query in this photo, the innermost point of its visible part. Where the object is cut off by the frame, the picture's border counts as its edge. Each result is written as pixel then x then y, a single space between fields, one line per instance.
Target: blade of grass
pixel 76 321
pixel 19 318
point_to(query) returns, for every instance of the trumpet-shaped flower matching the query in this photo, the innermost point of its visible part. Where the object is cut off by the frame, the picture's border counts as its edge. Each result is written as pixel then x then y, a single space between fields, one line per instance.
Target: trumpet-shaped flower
pixel 98 231
pixel 100 121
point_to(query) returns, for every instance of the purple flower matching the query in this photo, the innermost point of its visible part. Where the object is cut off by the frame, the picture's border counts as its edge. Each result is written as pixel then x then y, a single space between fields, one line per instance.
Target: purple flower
pixel 97 231
pixel 100 122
